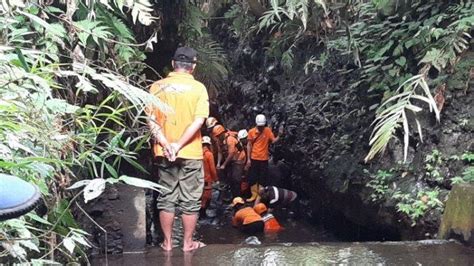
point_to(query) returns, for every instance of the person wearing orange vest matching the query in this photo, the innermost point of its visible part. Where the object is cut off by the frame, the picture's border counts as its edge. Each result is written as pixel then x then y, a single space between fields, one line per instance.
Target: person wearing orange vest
pixel 210 174
pixel 211 122
pixel 234 157
pixel 245 218
pixel 271 223
pixel 259 140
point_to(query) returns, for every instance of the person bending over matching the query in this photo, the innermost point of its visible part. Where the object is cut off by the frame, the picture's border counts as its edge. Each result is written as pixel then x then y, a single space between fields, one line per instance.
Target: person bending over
pixel 273 196
pixel 245 218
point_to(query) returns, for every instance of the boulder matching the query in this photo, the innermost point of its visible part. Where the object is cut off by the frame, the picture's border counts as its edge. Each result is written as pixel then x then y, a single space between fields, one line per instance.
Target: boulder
pixel 458 217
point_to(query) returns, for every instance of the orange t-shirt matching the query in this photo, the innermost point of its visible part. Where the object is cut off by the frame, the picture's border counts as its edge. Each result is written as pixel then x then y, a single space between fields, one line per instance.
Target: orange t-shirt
pixel 245 215
pixel 188 100
pixel 232 142
pixel 260 143
pixel 210 173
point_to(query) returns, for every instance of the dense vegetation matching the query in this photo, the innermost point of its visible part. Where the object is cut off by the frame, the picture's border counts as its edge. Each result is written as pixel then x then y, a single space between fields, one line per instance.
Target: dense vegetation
pixel 71 97
pixel 73 90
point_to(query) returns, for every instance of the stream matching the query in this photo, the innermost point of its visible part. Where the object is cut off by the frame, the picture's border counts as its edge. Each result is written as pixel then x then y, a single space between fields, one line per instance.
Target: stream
pixel 366 253
pixel 301 243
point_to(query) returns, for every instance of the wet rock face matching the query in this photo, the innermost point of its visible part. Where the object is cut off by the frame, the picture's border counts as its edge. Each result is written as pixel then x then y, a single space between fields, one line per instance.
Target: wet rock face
pixel 327 128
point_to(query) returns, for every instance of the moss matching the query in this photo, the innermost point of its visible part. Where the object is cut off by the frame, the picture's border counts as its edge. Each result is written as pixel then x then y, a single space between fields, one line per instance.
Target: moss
pixel 458 218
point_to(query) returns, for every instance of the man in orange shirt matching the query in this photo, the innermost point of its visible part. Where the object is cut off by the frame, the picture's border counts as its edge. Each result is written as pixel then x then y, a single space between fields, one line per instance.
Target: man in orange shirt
pixel 234 157
pixel 178 145
pixel 210 173
pixel 259 140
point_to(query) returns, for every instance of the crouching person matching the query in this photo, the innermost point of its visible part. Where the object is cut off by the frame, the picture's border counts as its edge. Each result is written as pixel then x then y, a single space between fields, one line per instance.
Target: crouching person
pixel 245 218
pixel 271 223
pixel 276 197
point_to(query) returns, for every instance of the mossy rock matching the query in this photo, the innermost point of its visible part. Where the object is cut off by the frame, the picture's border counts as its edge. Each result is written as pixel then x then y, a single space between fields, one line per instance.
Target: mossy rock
pixel 458 217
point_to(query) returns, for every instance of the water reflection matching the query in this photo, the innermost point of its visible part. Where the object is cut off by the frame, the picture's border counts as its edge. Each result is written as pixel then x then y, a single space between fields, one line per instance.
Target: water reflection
pixel 369 253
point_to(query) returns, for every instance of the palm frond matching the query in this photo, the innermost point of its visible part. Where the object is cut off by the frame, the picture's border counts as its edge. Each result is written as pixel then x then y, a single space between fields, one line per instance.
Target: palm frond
pixel 392 113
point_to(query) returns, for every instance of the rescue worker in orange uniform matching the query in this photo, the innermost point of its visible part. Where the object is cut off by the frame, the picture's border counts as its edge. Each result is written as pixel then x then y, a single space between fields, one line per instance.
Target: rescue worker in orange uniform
pixel 259 140
pixel 233 155
pixel 245 218
pixel 244 185
pixel 210 174
pixel 211 122
pixel 271 223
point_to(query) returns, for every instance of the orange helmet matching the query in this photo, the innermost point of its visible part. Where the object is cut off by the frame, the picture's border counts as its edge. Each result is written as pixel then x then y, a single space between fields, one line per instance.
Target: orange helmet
pixel 217 130
pixel 260 208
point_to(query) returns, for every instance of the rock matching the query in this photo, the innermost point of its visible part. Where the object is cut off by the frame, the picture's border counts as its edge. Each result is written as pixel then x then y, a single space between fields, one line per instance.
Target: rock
pixel 97 209
pixel 113 194
pixel 458 218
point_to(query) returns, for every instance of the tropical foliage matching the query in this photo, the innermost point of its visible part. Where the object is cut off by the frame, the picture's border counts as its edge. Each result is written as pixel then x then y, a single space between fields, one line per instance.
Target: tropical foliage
pixel 384 35
pixel 396 47
pixel 69 92
pixel 212 67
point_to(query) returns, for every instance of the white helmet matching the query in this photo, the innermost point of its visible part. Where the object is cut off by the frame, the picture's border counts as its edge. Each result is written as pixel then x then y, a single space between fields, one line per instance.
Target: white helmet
pixel 210 122
pixel 206 140
pixel 242 134
pixel 260 120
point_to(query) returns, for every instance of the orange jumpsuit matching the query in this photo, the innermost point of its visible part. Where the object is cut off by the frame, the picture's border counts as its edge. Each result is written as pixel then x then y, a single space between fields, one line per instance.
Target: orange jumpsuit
pixel 210 176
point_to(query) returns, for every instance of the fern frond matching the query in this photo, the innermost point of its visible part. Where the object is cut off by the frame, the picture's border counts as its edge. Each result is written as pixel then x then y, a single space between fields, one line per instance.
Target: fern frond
pixel 116 25
pixel 213 66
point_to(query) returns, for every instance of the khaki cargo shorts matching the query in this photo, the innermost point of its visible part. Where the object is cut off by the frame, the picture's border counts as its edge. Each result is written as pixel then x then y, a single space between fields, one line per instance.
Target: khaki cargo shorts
pixel 185 180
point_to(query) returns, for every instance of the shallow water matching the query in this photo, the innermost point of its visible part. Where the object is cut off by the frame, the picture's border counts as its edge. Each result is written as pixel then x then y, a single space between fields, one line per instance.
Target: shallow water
pixel 369 253
pixel 296 231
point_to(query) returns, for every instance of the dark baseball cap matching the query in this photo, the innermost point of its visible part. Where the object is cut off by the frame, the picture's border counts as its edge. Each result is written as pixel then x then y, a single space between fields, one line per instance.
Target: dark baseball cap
pixel 185 54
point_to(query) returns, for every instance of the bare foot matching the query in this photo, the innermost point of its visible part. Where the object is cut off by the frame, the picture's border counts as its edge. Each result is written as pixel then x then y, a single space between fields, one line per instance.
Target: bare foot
pixel 194 245
pixel 166 247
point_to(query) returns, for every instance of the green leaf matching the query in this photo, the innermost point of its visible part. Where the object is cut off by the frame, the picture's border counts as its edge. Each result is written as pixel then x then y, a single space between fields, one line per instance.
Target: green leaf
pixel 54 30
pixel 436 58
pixel 401 61
pixel 136 165
pixel 60 106
pixel 94 189
pixel 138 182
pixel 22 59
pixel 111 169
pixel 40 262
pixel 79 184
pixel 69 244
